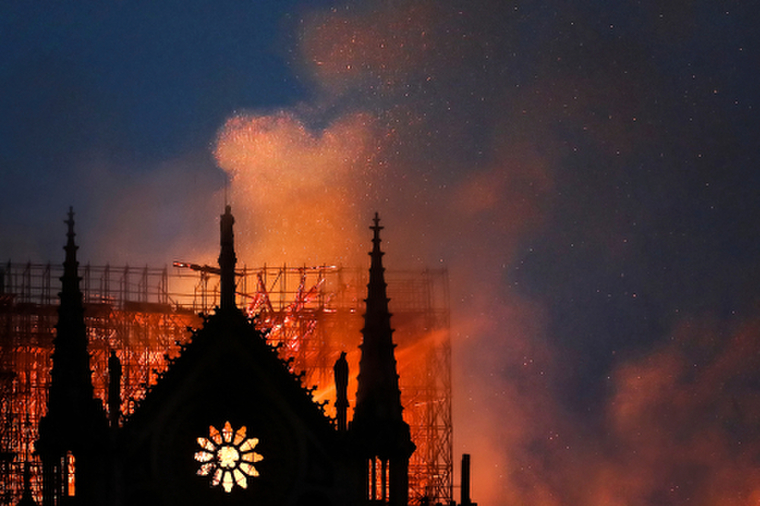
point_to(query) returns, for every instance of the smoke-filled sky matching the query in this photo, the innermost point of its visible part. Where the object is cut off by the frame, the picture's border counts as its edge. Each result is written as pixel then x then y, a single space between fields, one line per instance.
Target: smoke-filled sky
pixel 587 171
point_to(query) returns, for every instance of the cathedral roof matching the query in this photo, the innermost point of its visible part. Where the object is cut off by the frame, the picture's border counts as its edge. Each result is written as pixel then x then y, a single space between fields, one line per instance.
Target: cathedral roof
pixel 228 375
pixel 226 364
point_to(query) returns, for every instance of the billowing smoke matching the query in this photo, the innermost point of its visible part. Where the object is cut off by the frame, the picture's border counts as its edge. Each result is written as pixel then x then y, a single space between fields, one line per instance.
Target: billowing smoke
pixel 585 171
pixel 390 132
pixel 682 421
pixel 300 191
pixel 431 114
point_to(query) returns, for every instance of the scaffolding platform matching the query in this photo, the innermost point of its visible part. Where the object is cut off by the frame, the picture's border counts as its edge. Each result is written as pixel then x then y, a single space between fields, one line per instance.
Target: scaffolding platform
pixel 143 314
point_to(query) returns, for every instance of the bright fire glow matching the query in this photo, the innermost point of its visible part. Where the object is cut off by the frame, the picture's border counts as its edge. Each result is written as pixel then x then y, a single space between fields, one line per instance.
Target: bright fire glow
pixel 71 474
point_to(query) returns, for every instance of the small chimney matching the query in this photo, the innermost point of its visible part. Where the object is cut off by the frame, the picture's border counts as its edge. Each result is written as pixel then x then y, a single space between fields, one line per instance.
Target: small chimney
pixel 466 500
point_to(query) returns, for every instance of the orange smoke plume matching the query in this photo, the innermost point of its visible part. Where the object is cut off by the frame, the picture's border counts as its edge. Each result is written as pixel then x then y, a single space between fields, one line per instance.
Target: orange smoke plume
pixel 297 191
pixel 686 418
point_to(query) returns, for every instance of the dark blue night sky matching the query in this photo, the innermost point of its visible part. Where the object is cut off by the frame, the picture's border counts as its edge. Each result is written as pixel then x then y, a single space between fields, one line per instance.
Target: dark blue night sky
pixel 588 173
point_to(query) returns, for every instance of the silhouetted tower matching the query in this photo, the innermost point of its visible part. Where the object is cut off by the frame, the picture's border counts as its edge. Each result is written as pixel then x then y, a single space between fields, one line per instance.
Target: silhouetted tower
pixel 380 435
pixel 227 260
pixel 72 433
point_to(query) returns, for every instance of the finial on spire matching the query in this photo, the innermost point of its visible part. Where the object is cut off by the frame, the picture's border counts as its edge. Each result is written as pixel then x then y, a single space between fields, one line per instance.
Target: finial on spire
pixel 70 263
pixel 70 233
pixel 376 228
pixel 70 221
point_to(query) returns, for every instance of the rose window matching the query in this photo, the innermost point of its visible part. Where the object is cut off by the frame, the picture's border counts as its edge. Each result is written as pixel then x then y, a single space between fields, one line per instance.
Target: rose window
pixel 228 457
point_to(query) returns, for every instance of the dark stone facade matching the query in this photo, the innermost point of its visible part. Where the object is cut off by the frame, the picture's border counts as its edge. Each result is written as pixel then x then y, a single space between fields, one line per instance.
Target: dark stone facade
pixel 227 422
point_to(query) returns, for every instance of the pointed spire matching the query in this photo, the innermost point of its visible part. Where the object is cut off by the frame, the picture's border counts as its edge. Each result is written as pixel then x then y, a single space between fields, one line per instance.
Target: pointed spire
pixel 75 419
pixel 71 382
pixel 70 279
pixel 378 397
pixel 380 436
pixel 227 260
pixel 71 247
pixel 377 301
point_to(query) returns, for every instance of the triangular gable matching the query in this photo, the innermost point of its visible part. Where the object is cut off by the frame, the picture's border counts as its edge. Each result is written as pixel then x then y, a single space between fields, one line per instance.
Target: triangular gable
pixel 229 376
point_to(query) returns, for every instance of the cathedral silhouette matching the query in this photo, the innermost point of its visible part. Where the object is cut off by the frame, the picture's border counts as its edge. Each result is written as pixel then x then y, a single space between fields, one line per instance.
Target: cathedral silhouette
pixel 227 423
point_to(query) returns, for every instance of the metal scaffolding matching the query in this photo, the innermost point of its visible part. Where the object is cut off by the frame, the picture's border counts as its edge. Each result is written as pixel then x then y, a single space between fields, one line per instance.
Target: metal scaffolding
pixel 143 315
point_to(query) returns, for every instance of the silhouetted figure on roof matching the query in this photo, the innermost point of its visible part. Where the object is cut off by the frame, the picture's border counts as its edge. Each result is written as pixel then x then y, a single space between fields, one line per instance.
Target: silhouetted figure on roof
pixel 341 391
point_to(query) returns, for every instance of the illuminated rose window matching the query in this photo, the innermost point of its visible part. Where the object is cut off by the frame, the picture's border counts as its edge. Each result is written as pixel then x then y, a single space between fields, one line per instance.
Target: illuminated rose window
pixel 227 457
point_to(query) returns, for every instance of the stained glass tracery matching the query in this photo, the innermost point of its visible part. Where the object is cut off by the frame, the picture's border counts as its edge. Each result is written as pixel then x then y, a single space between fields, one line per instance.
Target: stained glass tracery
pixel 228 457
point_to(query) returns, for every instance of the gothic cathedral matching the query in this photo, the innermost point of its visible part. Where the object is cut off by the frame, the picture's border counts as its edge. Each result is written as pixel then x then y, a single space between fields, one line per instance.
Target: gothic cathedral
pixel 227 423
